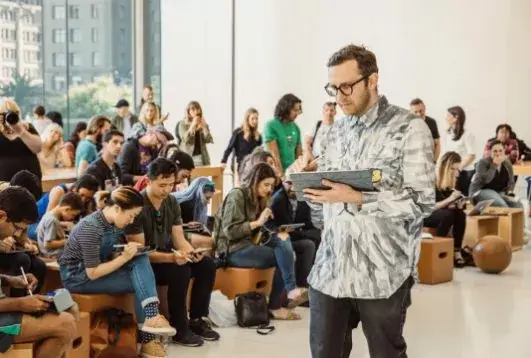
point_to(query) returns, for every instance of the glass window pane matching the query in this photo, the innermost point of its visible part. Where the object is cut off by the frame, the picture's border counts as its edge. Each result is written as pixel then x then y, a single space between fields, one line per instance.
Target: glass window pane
pixel 152 48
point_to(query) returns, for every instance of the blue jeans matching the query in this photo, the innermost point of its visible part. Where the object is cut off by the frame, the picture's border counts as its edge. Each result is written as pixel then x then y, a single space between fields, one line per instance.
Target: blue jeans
pixel 499 201
pixel 277 253
pixel 134 277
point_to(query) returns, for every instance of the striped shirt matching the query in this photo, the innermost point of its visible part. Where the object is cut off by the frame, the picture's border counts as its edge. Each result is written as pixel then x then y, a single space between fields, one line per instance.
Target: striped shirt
pixel 84 242
pixel 369 253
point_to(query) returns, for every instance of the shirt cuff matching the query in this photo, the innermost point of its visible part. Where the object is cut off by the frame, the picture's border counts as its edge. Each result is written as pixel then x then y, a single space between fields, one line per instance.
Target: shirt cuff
pixel 246 229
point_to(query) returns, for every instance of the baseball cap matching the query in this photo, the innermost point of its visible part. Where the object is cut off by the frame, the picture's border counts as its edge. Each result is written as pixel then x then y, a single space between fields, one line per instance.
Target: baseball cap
pixel 122 103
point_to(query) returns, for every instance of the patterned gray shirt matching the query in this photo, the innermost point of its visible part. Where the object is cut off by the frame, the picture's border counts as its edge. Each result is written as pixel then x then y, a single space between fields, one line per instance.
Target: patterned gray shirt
pixel 369 253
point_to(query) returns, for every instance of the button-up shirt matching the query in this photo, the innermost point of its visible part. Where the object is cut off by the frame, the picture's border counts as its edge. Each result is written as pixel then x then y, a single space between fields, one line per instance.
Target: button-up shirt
pixel 370 252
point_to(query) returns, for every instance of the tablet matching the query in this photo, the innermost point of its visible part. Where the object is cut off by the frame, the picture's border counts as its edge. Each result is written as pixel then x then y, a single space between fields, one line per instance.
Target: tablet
pixel 291 226
pixel 361 180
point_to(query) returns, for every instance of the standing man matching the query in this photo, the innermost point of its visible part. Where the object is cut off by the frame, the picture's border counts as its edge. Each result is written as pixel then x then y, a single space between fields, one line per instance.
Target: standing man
pixel 417 107
pixel 124 119
pixel 313 139
pixel 367 260
pixel 282 135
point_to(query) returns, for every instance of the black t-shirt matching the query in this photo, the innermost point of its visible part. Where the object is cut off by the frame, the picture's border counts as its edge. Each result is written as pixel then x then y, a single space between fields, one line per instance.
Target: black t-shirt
pixel 157 225
pixel 187 211
pixel 442 194
pixel 197 143
pixel 432 125
pixel 500 181
pixel 16 156
pixel 102 172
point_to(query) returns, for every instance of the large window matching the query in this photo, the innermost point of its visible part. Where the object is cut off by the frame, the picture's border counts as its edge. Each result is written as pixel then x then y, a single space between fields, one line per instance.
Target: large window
pixel 72 56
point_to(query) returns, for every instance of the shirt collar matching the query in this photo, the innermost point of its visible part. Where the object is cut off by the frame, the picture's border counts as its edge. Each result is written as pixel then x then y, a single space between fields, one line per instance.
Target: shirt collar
pixel 373 113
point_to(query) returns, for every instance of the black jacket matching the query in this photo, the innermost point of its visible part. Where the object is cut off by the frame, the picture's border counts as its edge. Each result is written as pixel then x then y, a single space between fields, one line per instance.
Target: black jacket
pixel 240 146
pixel 129 159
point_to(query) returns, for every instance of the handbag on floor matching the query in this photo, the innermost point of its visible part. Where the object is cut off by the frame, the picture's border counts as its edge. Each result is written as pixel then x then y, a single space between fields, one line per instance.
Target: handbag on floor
pixel 112 330
pixel 252 312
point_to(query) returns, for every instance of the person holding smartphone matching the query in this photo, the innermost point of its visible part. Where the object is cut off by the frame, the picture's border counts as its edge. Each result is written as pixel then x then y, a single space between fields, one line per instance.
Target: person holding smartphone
pixel 176 261
pixel 19 142
pixel 449 207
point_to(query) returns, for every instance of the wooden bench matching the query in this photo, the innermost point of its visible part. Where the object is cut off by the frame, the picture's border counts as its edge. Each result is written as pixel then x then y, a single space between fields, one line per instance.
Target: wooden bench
pixel 478 226
pixel 511 222
pixel 20 350
pixel 232 281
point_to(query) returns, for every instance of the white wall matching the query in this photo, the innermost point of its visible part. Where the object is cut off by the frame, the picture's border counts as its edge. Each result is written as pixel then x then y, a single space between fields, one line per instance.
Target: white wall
pixel 475 53
pixel 196 64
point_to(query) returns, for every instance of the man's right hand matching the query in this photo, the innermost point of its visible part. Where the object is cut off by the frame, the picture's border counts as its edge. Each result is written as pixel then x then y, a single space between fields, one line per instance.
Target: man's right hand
pixel 35 303
pixel 7 244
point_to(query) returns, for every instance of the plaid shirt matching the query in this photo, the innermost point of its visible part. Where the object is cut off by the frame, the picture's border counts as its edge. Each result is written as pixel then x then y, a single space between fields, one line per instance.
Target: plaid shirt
pixel 369 253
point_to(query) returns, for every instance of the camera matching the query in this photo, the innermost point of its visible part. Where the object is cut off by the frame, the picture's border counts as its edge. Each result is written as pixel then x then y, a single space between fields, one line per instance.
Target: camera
pixel 11 117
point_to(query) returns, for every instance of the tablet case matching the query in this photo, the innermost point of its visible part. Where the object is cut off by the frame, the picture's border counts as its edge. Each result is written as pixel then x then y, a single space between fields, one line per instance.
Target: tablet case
pixel 361 180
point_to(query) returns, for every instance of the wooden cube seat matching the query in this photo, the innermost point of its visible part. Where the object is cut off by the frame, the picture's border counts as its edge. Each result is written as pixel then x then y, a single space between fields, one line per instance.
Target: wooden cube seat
pixel 97 302
pixel 436 260
pixel 20 350
pixel 83 332
pixel 232 281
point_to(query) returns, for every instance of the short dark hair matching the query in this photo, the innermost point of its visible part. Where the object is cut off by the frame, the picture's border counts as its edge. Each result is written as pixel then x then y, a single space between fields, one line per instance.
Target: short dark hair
pixel 492 143
pixel 55 117
pixel 28 180
pixel 107 137
pixel 18 204
pixel 39 110
pixel 161 167
pixel 73 201
pixel 504 126
pixel 365 58
pixel 87 181
pixel 285 104
pixel 416 102
pixel 330 104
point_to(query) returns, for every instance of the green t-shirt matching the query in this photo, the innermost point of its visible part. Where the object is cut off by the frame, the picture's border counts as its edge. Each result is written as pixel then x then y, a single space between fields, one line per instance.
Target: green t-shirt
pixel 287 135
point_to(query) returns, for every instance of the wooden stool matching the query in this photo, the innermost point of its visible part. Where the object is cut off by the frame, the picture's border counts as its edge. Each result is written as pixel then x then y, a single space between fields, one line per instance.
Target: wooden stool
pixel 479 226
pixel 52 279
pixel 233 281
pixel 92 303
pixel 20 350
pixel 436 260
pixel 510 225
pixel 83 330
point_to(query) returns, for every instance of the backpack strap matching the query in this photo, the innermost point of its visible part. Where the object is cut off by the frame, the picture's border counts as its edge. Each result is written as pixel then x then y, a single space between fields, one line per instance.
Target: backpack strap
pixel 317 126
pixel 264 329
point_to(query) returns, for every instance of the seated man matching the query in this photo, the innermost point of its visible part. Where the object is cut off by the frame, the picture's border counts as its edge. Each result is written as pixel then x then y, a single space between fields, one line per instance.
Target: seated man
pixel 136 153
pixel 106 169
pixel 22 319
pixel 185 165
pixel 50 233
pixel 175 262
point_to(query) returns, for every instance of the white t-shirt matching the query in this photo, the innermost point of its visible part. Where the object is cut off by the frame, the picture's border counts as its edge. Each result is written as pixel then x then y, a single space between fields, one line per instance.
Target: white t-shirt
pixel 319 136
pixel 464 146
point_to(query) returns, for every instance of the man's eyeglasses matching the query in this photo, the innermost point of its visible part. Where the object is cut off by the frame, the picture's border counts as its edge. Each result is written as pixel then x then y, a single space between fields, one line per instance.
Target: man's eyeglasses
pixel 345 88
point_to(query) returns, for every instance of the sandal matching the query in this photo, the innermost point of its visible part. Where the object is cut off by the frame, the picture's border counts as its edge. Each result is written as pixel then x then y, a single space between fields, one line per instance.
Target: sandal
pixel 301 298
pixel 459 261
pixel 288 316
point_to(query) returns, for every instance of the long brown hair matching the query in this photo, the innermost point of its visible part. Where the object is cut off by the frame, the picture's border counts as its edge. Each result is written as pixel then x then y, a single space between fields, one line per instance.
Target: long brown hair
pixel 459 129
pixel 446 178
pixel 248 131
pixel 192 104
pixel 259 172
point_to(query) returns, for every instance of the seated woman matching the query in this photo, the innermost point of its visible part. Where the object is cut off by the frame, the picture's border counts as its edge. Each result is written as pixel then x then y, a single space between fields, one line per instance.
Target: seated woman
pixel 86 186
pixel 89 264
pixel 52 154
pixel 449 205
pixel 244 213
pixel 503 134
pixel 494 179
pixel 194 211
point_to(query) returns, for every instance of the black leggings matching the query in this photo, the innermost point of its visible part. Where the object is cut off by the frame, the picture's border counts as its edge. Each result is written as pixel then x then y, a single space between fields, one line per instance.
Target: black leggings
pixel 12 263
pixel 444 219
pixel 177 279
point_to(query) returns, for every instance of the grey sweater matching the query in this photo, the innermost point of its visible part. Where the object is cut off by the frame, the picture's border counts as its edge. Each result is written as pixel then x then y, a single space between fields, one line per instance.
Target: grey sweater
pixel 485 173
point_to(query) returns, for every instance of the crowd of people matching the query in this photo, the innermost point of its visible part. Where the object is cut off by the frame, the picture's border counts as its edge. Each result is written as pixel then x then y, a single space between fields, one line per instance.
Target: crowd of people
pixel 125 226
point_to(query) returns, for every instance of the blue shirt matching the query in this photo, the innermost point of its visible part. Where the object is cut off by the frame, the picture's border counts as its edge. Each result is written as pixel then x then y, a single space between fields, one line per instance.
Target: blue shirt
pixel 86 150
